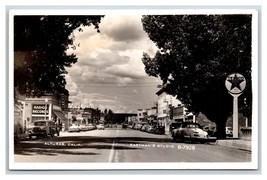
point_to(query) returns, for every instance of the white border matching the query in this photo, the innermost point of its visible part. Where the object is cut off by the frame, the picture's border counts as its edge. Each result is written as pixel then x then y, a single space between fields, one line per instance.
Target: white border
pixel 108 166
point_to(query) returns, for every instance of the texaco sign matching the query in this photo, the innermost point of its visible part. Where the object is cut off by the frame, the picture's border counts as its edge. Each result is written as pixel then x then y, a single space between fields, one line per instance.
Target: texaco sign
pixel 235 83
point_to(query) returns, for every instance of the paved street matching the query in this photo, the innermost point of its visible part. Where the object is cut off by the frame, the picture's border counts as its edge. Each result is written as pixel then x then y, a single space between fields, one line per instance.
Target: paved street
pixel 122 145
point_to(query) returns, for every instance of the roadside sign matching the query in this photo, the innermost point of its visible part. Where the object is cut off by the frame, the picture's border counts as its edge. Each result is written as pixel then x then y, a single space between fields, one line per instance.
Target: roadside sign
pixel 235 83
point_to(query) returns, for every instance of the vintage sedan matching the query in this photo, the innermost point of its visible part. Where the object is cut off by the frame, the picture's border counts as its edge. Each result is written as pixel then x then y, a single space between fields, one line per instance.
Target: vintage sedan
pixel 229 131
pixel 100 126
pixel 91 127
pixel 193 132
pixel 43 128
pixel 83 127
pixel 74 128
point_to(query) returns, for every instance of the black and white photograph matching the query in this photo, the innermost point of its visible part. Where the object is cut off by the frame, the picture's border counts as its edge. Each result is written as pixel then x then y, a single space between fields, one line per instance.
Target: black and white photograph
pixel 173 89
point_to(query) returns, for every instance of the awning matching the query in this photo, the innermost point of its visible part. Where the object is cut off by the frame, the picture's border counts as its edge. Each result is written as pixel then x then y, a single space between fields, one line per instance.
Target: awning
pixel 60 115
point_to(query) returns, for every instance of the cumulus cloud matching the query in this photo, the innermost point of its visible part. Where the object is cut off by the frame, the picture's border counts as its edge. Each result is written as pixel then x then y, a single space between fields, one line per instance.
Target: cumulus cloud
pixel 109 66
pixel 71 86
pixel 125 29
pixel 104 59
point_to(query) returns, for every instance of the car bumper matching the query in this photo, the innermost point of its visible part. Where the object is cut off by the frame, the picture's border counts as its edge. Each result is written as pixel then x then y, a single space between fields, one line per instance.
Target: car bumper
pixel 74 130
pixel 201 139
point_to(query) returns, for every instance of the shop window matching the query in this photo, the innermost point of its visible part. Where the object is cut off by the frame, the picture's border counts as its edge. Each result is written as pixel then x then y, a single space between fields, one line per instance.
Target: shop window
pixel 38 118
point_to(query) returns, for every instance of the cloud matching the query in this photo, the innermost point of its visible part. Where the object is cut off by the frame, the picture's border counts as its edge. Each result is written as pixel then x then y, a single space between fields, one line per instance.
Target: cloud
pixel 126 29
pixel 109 72
pixel 104 59
pixel 71 86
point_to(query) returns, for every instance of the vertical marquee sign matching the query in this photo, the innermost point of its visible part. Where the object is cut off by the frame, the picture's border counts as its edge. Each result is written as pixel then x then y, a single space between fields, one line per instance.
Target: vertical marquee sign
pixel 235 84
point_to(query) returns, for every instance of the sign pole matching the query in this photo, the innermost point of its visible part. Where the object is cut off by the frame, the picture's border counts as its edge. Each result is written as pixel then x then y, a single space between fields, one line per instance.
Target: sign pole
pixel 235 84
pixel 235 116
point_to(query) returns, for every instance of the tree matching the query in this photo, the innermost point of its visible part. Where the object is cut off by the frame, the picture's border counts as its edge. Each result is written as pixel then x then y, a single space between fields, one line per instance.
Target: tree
pixel 40 44
pixel 196 54
pixel 108 116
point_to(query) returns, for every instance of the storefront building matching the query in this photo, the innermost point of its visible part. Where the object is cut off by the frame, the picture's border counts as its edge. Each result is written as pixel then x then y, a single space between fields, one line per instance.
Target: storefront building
pixel 142 115
pixel 152 116
pixel 48 107
pixel 165 104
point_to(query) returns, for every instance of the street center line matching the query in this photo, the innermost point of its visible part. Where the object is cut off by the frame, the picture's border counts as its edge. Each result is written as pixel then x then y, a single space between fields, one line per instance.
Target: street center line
pixel 111 154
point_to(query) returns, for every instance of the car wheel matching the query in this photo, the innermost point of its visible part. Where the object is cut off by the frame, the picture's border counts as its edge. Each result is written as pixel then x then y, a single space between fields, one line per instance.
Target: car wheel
pixel 45 135
pixel 182 137
pixel 192 140
pixel 30 136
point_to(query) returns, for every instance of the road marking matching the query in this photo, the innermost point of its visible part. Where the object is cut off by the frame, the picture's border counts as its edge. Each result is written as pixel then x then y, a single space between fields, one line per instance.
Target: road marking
pixel 111 154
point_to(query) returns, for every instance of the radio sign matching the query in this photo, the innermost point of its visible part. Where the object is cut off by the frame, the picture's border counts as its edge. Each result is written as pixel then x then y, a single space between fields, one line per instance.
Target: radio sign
pixel 40 109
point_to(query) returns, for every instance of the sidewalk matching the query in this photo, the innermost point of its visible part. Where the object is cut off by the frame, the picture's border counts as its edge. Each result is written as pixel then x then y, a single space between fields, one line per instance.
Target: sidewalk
pixel 235 143
pixel 244 144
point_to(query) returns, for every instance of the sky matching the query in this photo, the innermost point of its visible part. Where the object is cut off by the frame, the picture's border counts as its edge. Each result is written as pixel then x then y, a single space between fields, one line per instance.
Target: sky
pixel 109 73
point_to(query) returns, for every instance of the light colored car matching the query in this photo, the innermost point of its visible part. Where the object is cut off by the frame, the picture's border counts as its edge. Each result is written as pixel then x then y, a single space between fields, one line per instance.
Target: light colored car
pixel 74 128
pixel 138 126
pixel 211 130
pixel 192 132
pixel 100 126
pixel 150 129
pixel 83 127
pixel 229 131
pixel 91 126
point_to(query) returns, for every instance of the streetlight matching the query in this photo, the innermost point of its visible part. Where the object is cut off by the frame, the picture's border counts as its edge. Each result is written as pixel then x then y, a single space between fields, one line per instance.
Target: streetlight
pixel 46 101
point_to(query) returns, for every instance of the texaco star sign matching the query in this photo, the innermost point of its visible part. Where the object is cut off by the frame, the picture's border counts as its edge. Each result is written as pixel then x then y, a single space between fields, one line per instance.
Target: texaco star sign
pixel 235 83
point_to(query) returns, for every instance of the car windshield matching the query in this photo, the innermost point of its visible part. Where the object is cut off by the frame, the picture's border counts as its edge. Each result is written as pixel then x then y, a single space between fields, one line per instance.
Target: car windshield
pixel 39 123
pixel 176 125
pixel 193 125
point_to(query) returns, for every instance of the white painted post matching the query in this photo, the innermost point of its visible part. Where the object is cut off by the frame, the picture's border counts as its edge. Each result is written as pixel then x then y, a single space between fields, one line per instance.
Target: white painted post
pixel 235 116
pixel 235 84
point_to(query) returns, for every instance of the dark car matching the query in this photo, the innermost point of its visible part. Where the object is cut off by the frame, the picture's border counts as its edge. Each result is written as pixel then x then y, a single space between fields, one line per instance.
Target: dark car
pixel 124 126
pixel 159 130
pixel 43 128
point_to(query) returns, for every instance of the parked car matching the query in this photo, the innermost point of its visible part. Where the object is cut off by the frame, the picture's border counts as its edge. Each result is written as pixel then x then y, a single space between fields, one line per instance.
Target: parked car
pixel 83 127
pixel 211 130
pixel 43 128
pixel 144 127
pixel 229 131
pixel 174 125
pixel 159 130
pixel 124 126
pixel 100 126
pixel 151 129
pixel 192 132
pixel 138 126
pixel 91 126
pixel 74 128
